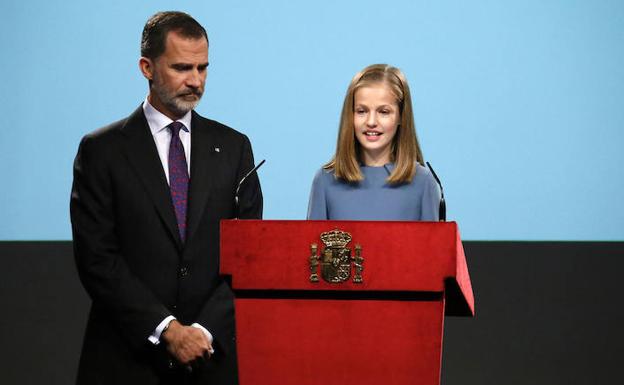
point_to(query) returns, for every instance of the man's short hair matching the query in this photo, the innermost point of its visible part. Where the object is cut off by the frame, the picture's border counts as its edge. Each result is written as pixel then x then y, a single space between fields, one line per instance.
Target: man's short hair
pixel 155 32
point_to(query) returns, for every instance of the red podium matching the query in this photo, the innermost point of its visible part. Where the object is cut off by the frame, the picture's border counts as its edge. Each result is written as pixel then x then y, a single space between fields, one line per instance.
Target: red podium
pixel 386 329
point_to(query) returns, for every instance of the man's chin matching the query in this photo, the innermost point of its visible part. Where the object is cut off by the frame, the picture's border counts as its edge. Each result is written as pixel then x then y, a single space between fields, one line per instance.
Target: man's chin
pixel 181 107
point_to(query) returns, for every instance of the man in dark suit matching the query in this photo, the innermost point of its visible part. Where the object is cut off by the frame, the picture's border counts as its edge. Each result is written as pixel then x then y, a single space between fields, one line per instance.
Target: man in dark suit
pixel 148 194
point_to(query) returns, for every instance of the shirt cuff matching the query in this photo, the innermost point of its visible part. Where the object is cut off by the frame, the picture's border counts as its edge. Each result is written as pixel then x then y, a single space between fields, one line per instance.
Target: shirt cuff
pixel 155 336
pixel 207 333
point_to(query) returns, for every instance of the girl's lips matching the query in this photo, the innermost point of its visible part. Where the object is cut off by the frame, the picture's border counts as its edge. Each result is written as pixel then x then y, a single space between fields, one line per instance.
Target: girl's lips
pixel 372 136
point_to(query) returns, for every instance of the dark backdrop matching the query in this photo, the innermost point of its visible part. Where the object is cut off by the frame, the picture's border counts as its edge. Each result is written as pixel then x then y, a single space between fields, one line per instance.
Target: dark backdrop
pixel 547 313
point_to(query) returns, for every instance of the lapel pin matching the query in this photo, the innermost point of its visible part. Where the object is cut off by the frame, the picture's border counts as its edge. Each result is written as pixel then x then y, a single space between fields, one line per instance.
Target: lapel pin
pixel 217 149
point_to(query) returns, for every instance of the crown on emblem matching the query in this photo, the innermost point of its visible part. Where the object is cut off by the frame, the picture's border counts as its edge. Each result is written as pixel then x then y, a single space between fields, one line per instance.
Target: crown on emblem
pixel 336 238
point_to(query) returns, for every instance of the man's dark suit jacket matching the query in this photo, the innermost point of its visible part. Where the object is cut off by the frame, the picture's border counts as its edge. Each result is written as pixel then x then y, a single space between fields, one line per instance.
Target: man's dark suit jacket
pixel 130 257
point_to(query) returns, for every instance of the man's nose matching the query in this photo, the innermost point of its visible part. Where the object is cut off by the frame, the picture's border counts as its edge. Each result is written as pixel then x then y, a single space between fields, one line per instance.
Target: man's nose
pixel 194 79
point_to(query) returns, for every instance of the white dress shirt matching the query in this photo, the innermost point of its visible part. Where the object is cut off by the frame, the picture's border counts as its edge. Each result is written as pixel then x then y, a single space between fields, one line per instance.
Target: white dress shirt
pixel 158 123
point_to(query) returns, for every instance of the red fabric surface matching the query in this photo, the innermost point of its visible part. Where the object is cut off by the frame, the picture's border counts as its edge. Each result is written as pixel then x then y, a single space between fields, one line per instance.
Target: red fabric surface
pixel 462 277
pixel 343 341
pixel 328 342
pixel 398 256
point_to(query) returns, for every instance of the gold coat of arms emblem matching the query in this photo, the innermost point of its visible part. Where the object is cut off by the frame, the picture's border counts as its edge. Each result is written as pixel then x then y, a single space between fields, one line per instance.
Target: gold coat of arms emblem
pixel 336 260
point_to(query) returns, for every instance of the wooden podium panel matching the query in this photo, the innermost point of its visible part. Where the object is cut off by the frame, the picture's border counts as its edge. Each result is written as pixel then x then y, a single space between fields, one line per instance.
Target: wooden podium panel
pixel 385 330
pixel 338 342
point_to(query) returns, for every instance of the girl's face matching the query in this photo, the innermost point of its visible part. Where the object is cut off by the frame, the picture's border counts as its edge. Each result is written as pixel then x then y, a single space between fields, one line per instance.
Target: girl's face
pixel 375 119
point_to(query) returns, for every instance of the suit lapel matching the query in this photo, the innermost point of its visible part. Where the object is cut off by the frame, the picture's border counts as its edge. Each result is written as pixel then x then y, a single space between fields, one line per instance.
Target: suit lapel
pixel 203 165
pixel 143 157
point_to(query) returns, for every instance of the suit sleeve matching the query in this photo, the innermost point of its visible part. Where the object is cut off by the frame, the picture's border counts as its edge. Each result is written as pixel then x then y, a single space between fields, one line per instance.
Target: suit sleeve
pixel 103 270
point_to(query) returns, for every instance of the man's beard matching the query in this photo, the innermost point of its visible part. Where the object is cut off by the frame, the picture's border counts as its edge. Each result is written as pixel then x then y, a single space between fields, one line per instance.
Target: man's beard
pixel 175 102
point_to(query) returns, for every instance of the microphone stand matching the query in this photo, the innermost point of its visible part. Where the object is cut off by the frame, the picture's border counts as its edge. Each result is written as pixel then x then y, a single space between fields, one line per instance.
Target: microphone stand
pixel 236 199
pixel 442 209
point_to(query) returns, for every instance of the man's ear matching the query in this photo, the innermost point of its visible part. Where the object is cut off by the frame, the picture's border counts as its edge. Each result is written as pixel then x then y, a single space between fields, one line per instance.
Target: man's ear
pixel 147 68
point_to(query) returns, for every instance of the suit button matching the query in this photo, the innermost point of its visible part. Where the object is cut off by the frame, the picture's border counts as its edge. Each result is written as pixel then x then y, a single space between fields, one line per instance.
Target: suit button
pixel 184 272
pixel 170 364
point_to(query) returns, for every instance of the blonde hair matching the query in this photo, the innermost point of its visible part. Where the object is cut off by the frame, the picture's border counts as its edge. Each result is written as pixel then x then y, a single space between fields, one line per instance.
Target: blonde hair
pixel 405 150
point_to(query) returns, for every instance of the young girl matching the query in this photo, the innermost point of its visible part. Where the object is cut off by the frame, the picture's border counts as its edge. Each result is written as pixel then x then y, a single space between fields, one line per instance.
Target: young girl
pixel 377 172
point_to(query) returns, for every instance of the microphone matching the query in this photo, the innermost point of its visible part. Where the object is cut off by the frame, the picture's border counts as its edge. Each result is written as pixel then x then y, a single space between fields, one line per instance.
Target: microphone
pixel 242 180
pixel 442 210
